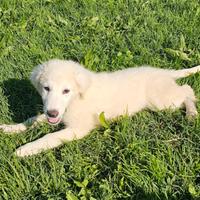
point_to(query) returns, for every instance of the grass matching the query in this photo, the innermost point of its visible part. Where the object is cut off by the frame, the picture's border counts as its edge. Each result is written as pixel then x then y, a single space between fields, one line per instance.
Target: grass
pixel 152 155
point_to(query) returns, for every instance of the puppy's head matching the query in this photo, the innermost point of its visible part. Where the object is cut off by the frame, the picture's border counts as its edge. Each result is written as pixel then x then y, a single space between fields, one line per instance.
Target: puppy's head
pixel 59 82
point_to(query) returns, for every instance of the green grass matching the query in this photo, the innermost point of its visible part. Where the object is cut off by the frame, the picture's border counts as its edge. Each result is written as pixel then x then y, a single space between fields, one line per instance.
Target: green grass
pixel 152 155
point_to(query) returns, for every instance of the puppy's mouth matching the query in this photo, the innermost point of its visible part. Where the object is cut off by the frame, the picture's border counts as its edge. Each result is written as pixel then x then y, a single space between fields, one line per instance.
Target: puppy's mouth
pixel 53 120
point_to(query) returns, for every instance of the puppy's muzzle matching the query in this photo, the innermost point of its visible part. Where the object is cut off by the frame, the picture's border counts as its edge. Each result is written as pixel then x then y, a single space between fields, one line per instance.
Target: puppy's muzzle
pixel 52 113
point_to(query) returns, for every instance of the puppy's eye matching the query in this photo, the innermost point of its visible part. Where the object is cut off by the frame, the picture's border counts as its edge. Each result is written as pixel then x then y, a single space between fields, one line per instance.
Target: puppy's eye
pixel 47 89
pixel 66 91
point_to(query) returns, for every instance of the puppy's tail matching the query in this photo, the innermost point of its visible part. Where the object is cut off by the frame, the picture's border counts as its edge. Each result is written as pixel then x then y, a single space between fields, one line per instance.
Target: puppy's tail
pixel 176 74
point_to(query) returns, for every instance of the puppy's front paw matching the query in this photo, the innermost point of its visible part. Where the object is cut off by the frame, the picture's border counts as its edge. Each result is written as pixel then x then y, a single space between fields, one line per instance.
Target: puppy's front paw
pixel 20 152
pixel 15 128
pixel 49 141
pixel 25 150
pixel 29 149
pixel 8 128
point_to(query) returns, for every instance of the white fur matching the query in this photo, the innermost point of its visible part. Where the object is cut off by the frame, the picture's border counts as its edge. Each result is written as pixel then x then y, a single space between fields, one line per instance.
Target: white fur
pixel 116 93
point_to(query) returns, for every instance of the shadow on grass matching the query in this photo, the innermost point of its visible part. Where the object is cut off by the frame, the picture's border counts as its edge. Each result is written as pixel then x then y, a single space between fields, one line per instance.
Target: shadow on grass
pixel 23 99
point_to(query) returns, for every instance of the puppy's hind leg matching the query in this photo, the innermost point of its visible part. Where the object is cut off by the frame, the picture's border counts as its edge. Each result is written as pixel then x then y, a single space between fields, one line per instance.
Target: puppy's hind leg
pixel 191 110
pixel 189 102
pixel 175 96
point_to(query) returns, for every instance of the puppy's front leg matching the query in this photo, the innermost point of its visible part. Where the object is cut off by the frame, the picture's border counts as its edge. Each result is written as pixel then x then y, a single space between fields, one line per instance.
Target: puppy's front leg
pixel 16 128
pixel 48 141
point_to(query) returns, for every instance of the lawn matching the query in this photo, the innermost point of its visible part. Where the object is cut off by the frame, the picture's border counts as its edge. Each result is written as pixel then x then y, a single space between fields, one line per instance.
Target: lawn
pixel 151 155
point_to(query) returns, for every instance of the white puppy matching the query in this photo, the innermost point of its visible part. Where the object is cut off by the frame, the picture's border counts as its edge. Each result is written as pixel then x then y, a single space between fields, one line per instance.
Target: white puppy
pixel 76 96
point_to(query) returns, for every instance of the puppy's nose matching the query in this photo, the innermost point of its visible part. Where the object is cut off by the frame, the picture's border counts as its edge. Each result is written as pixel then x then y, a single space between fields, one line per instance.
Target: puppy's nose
pixel 52 113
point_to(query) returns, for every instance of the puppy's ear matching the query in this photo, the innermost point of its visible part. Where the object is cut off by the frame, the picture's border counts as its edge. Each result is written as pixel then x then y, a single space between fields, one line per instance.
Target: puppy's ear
pixel 83 80
pixel 36 76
